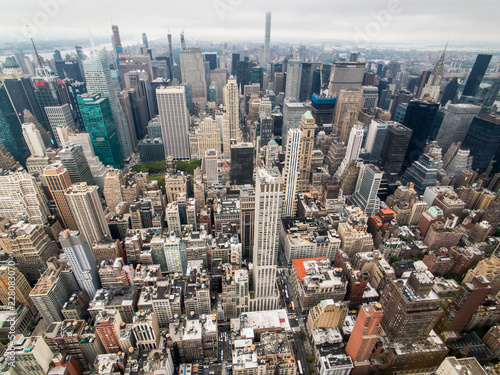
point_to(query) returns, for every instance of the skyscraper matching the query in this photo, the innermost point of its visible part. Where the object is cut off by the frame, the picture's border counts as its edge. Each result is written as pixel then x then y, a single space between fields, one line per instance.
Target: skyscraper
pixel 366 194
pixel 232 103
pixel 433 85
pixel 86 207
pixel 73 159
pixel 422 173
pixel 267 45
pixel 346 75
pixel 241 172
pixel 193 72
pixel 455 125
pixel 268 206
pixel 476 75
pixel 375 139
pixel 292 114
pixel 353 148
pixel 293 78
pixel 99 81
pixel 483 140
pixel 33 140
pixel 307 126
pixel 291 172
pixel 59 116
pixel 58 181
pixel 346 112
pixel 81 260
pixel 365 334
pixel 175 121
pixel 419 117
pixel 21 286
pixel 394 149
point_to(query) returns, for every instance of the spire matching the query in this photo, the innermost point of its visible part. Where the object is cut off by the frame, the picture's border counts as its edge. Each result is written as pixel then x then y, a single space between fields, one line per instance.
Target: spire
pixel 40 61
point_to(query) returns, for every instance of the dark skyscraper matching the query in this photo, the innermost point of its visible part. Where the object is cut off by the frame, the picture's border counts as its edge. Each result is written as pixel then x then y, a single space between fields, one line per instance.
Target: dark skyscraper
pixel 419 117
pixel 241 172
pixel 450 92
pixel 476 75
pixel 70 69
pixel 234 63
pixel 483 140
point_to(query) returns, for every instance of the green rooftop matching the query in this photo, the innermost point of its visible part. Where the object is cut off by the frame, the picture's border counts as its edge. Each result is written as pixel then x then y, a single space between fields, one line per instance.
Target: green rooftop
pixel 308 115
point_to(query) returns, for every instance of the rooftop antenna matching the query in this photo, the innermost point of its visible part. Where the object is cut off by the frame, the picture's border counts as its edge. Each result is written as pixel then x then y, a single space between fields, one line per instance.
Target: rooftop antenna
pixel 40 61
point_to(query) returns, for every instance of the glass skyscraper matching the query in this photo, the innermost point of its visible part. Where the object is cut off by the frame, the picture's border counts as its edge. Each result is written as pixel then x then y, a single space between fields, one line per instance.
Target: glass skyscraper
pixel 98 121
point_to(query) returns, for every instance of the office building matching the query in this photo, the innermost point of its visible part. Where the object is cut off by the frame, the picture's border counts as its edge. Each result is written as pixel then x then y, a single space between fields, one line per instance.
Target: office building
pixel 411 308
pixel 175 121
pixel 393 152
pixel 268 205
pixel 232 103
pixel 21 288
pixel 366 194
pixel 292 115
pixel 345 76
pixel 433 86
pixel 327 314
pixel 483 141
pixel 375 139
pixel 322 110
pixel 22 198
pixel 370 97
pixel 291 172
pixel 353 148
pixel 52 290
pixel 306 126
pixel 419 117
pixel 241 172
pixel 476 75
pixel 58 181
pixel 464 304
pixel 81 261
pixel 455 125
pixel 365 334
pixel 293 78
pixel 59 116
pixel 422 173
pixel 72 157
pixel 99 81
pixel 107 326
pixel 151 149
pixel 347 108
pixel 31 355
pixel 193 72
pixel 85 205
pixel 34 140
pixel 98 120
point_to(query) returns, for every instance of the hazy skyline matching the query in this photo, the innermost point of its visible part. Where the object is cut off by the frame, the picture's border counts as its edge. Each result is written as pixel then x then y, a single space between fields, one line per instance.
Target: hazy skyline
pixel 382 21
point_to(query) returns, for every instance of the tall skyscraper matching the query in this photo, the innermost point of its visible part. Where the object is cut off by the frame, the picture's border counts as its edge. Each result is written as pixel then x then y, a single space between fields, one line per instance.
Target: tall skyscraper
pixel 98 121
pixel 112 188
pixel 292 114
pixel 394 149
pixel 375 139
pixel 476 75
pixel 193 72
pixel 241 172
pixel 291 172
pixel 232 103
pixel 86 207
pixel 22 198
pixel 73 159
pixel 433 85
pixel 268 208
pixel 34 140
pixel 419 117
pixel 346 75
pixel 58 181
pixel 346 112
pixel 307 126
pixel 422 173
pixel 99 81
pixel 483 141
pixel 210 164
pixel 455 125
pixel 21 287
pixel 59 116
pixel 365 334
pixel 145 40
pixel 366 194
pixel 293 78
pixel 175 121
pixel 353 148
pixel 267 45
pixel 10 129
pixel 81 261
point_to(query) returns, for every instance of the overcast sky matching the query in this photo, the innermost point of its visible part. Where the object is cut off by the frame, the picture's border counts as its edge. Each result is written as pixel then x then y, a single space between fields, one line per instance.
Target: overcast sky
pixel 466 21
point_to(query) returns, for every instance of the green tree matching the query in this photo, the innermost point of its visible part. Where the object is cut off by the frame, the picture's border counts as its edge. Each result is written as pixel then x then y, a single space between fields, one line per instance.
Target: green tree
pixel 310 358
pixel 312 368
pixel 303 335
pixel 393 259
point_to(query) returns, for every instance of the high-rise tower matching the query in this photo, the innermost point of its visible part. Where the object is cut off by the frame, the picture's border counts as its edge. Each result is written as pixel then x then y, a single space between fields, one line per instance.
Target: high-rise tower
pixel 476 75
pixel 175 121
pixel 293 77
pixel 232 103
pixel 307 126
pixel 193 72
pixel 268 206
pixel 366 194
pixel 98 78
pixel 346 112
pixel 267 45
pixel 433 85
pixel 291 172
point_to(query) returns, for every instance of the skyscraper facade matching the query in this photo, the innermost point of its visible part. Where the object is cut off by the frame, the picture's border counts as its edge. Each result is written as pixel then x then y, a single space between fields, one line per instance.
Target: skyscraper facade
pixel 268 208
pixel 72 157
pixel 307 126
pixel 59 116
pixel 34 140
pixel 193 72
pixel 394 149
pixel 353 148
pixel 58 181
pixel 232 103
pixel 85 205
pixel 346 75
pixel 81 260
pixel 293 78
pixel 241 172
pixel 455 125
pixel 267 45
pixel 366 194
pixel 346 112
pixel 291 172
pixel 175 121
pixel 292 114
pixel 99 81
pixel 476 75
